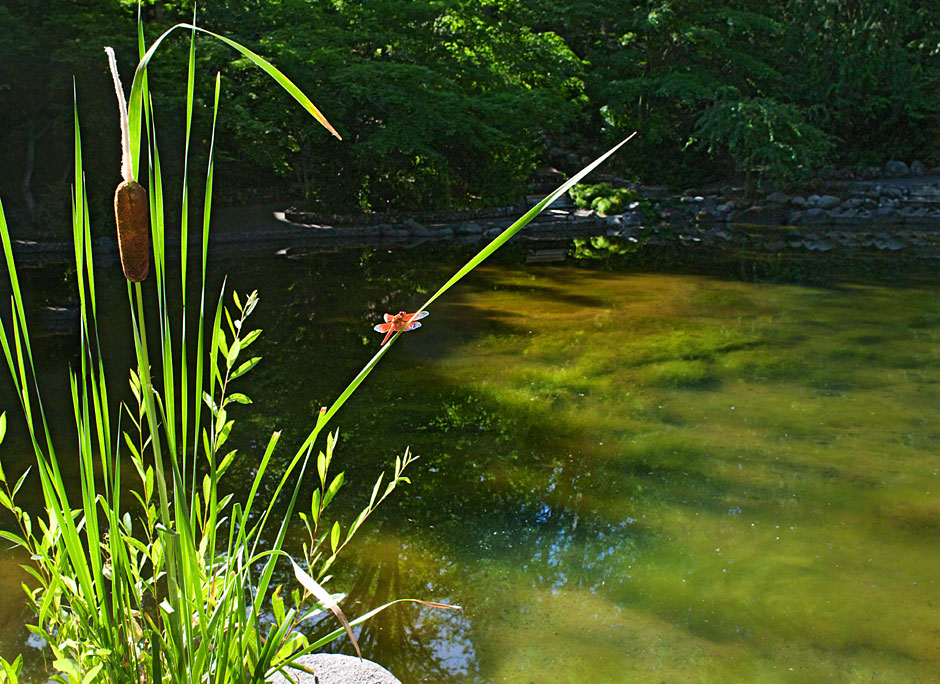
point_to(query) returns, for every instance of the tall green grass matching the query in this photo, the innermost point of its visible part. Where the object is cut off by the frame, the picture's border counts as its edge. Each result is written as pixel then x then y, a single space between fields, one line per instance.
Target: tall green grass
pixel 175 583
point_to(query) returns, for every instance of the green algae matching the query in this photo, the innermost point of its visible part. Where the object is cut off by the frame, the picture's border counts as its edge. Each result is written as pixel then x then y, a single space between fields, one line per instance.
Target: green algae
pixel 631 476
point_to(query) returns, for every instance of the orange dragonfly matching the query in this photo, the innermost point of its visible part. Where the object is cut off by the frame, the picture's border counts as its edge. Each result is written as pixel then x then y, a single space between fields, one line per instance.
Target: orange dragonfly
pixel 400 321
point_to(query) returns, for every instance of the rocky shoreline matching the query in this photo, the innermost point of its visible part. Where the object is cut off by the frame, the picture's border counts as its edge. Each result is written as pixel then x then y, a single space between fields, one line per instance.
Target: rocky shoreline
pixel 894 212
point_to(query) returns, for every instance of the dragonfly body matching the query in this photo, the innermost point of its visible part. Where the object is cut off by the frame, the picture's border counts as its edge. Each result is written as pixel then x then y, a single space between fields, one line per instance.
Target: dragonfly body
pixel 400 321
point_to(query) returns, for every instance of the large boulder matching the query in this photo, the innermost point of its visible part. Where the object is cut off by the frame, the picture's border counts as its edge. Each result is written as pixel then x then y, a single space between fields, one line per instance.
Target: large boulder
pixel 896 169
pixel 333 668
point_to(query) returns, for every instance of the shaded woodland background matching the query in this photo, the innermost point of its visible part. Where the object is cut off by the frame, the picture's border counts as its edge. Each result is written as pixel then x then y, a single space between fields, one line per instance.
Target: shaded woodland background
pixel 455 103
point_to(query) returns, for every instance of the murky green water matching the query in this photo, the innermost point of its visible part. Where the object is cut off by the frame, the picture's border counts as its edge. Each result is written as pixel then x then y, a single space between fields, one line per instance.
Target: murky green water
pixel 624 475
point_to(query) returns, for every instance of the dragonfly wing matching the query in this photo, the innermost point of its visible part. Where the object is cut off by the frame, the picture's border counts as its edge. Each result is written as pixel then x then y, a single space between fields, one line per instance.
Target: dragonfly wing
pixel 418 316
pixel 388 317
pixel 382 327
pixel 413 326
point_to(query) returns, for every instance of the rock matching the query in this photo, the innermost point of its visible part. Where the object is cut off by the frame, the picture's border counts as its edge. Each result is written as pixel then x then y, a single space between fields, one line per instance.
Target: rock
pixel 332 668
pixel 630 218
pixel 813 200
pixel 852 203
pixel 896 169
pixel 468 228
pixel 798 201
pixel 887 243
pixel 917 168
pixel 444 232
pixel 828 202
pixel 416 228
pixel 794 217
pixel 818 245
pixel 771 215
pixel 725 207
pixel 778 197
pixel 816 216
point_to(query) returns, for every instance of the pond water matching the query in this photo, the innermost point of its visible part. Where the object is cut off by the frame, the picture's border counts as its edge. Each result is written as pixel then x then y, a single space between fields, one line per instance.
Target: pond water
pixel 626 474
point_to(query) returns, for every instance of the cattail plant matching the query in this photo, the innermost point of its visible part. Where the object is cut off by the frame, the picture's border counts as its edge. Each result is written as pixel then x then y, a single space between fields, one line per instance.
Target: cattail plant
pixel 179 593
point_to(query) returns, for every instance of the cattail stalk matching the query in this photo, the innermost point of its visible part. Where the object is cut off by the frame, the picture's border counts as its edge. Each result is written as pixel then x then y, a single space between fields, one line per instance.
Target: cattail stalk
pixel 131 209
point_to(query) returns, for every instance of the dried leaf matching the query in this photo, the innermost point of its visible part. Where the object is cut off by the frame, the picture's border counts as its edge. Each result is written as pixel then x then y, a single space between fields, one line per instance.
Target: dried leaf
pixel 324 597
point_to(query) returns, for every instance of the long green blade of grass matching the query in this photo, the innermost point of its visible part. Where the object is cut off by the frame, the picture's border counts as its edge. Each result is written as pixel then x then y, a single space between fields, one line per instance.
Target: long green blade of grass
pixel 497 242
pixel 135 103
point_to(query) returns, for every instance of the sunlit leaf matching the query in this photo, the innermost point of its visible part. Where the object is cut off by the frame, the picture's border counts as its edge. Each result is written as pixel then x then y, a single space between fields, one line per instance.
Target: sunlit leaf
pixel 19 483
pixel 334 536
pixel 245 367
pixel 251 337
pixel 333 488
pixel 238 398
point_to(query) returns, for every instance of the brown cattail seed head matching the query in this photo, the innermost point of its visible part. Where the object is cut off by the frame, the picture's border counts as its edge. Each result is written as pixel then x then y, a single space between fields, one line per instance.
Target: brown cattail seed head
pixel 132 215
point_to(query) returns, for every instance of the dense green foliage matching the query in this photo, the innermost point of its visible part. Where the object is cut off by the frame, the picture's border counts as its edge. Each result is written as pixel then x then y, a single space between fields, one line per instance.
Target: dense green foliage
pixel 603 198
pixel 457 102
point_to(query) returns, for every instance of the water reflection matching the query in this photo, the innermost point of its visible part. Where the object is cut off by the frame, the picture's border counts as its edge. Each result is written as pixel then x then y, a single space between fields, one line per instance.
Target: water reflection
pixel 624 476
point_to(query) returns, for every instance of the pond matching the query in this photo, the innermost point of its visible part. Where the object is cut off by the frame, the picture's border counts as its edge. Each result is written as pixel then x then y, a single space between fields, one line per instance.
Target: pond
pixel 626 473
